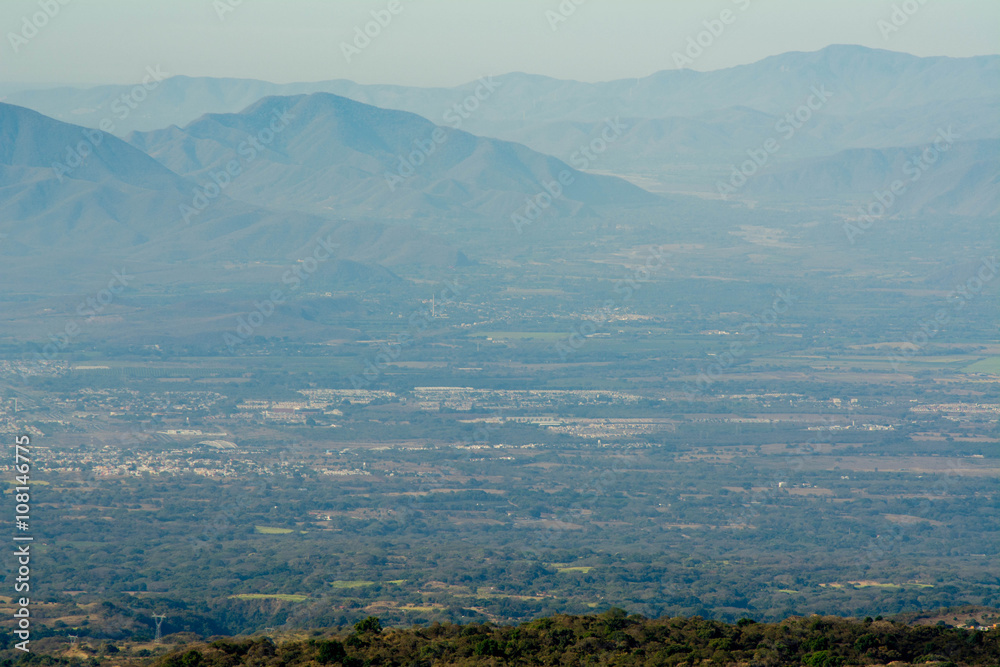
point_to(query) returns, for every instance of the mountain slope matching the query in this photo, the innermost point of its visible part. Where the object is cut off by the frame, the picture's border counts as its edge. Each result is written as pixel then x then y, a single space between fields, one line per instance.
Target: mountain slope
pixel 73 198
pixel 329 154
pixel 722 136
pixel 963 180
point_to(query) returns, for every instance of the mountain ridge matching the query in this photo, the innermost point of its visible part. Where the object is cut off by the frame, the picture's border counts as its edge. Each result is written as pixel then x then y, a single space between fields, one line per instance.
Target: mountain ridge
pixel 360 160
pixel 117 201
pixel 878 70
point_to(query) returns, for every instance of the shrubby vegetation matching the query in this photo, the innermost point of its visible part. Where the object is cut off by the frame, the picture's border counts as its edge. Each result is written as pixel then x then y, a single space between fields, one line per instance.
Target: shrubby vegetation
pixel 614 638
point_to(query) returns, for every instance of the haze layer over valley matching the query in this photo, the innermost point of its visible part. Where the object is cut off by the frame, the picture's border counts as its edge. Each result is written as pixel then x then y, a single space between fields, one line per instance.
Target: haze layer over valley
pixel 330 357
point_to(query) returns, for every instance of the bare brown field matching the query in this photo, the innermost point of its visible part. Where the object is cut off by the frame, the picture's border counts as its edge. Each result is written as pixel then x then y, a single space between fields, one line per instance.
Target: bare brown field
pixel 550 524
pixel 819 375
pixel 812 491
pixel 941 437
pixel 474 521
pixel 905 464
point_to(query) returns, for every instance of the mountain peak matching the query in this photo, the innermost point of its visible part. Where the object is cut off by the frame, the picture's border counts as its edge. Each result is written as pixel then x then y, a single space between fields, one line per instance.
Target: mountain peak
pixel 330 153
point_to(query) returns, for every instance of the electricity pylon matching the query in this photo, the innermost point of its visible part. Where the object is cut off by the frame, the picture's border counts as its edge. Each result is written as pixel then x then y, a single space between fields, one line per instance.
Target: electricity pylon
pixel 159 622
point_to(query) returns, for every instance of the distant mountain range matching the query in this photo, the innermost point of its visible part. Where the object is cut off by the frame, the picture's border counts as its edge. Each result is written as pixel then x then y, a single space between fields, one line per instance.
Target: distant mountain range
pixel 721 137
pixel 681 127
pixel 862 81
pixel 336 156
pixel 262 176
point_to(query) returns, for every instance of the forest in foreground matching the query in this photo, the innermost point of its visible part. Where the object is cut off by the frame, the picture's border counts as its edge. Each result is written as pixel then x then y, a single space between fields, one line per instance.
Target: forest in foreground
pixel 611 638
pixel 615 638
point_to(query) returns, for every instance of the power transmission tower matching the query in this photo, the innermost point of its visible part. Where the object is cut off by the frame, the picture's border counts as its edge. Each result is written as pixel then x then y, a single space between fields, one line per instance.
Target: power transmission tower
pixel 159 622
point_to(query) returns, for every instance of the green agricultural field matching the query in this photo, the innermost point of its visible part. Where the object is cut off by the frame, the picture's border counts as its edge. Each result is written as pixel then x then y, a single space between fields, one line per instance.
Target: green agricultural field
pixel 987 365
pixel 356 583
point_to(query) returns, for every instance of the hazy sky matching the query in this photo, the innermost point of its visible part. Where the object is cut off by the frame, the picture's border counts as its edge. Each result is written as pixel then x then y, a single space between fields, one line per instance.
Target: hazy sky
pixel 446 42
